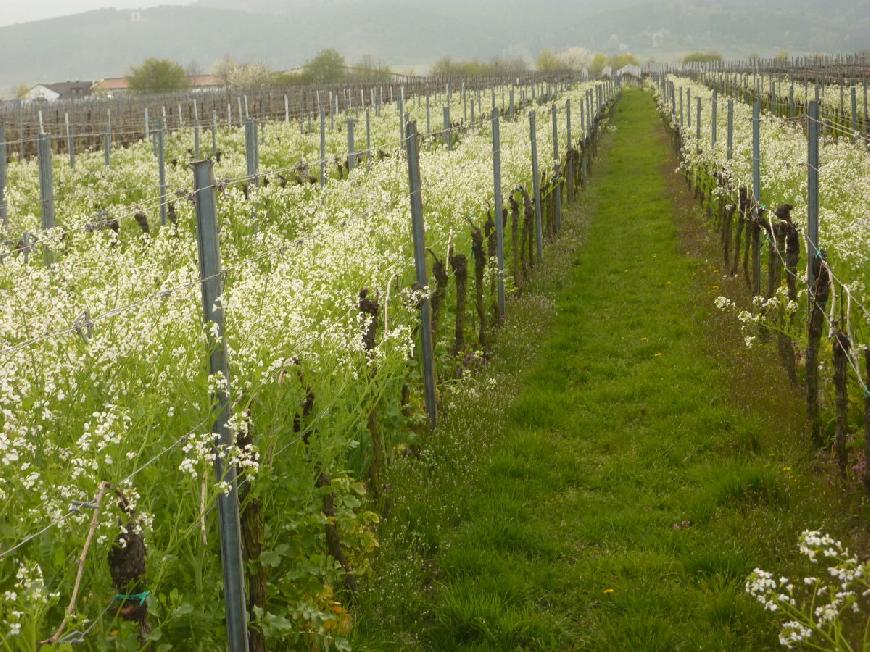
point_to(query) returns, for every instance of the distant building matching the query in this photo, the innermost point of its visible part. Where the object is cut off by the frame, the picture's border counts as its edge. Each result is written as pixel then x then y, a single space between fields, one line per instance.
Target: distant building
pixel 205 82
pixel 70 90
pixel 112 86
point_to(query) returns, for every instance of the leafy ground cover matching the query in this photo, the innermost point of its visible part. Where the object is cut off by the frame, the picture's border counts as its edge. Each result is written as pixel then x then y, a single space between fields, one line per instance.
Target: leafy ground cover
pixel 613 477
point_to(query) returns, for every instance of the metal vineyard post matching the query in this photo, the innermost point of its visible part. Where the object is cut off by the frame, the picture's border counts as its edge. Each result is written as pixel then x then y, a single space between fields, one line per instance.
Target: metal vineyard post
pixel 418 232
pixel 213 316
pixel 536 186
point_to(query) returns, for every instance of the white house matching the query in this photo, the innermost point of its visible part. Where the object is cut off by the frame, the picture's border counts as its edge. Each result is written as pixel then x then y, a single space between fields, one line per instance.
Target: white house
pixel 69 90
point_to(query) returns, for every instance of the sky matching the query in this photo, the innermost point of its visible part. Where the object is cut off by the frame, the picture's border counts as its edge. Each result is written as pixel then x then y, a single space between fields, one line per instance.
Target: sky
pixel 20 11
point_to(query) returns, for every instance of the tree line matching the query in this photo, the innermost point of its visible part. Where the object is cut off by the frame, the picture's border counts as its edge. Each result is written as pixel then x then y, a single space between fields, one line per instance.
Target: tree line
pixel 330 67
pixel 327 67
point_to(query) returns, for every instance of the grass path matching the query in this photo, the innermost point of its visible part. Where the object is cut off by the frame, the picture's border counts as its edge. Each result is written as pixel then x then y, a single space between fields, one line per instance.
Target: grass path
pixel 633 481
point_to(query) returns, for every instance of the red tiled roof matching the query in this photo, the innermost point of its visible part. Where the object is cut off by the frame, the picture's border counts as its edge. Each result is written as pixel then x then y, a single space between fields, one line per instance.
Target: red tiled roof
pixel 199 81
pixel 122 84
pixel 112 84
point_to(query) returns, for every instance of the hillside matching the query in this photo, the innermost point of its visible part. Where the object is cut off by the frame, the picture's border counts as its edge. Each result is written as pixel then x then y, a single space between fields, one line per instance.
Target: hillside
pixel 283 34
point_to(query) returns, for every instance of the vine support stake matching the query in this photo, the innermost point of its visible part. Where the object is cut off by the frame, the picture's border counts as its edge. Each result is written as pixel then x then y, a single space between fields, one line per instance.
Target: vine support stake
pixel 557 189
pixel 214 121
pixel 689 107
pixel 865 105
pixel 322 148
pixel 197 139
pixel 333 109
pixel 447 130
pixel 351 155
pixel 536 186
pixel 682 121
pixel 401 110
pixel 730 136
pixel 570 152
pixel 107 142
pixel 368 135
pixel 161 170
pixel 46 191
pixel 756 194
pixel 812 188
pixel 70 142
pixel 252 156
pixel 3 159
pixel 714 117
pixel 497 217
pixel 213 316
pixel 418 232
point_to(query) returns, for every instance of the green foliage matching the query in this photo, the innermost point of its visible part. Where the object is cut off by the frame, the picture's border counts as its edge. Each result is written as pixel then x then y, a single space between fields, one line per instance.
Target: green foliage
pixel 244 75
pixel 286 79
pixel 548 62
pixel 702 57
pixel 327 67
pixel 618 61
pixel 447 67
pixel 369 70
pixel 599 63
pixel 157 76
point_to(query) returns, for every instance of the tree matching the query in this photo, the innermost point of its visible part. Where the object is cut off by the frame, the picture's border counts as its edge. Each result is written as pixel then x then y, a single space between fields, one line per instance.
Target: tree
pixel 575 58
pixel 157 76
pixel 781 57
pixel 327 67
pixel 513 66
pixel 193 68
pixel 286 78
pixel 249 75
pixel 622 60
pixel 447 67
pixel 244 75
pixel 599 62
pixel 442 68
pixel 702 57
pixel 223 69
pixel 21 91
pixel 370 70
pixel 548 62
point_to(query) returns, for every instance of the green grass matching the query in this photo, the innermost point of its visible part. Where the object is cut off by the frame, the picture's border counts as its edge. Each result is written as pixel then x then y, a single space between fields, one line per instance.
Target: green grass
pixel 629 468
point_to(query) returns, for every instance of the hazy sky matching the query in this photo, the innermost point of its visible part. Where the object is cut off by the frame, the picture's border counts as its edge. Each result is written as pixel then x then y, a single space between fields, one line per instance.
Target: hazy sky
pixel 19 11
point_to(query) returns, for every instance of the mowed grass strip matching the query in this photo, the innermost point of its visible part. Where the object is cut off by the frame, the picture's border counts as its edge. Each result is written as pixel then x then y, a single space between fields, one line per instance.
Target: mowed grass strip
pixel 625 493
